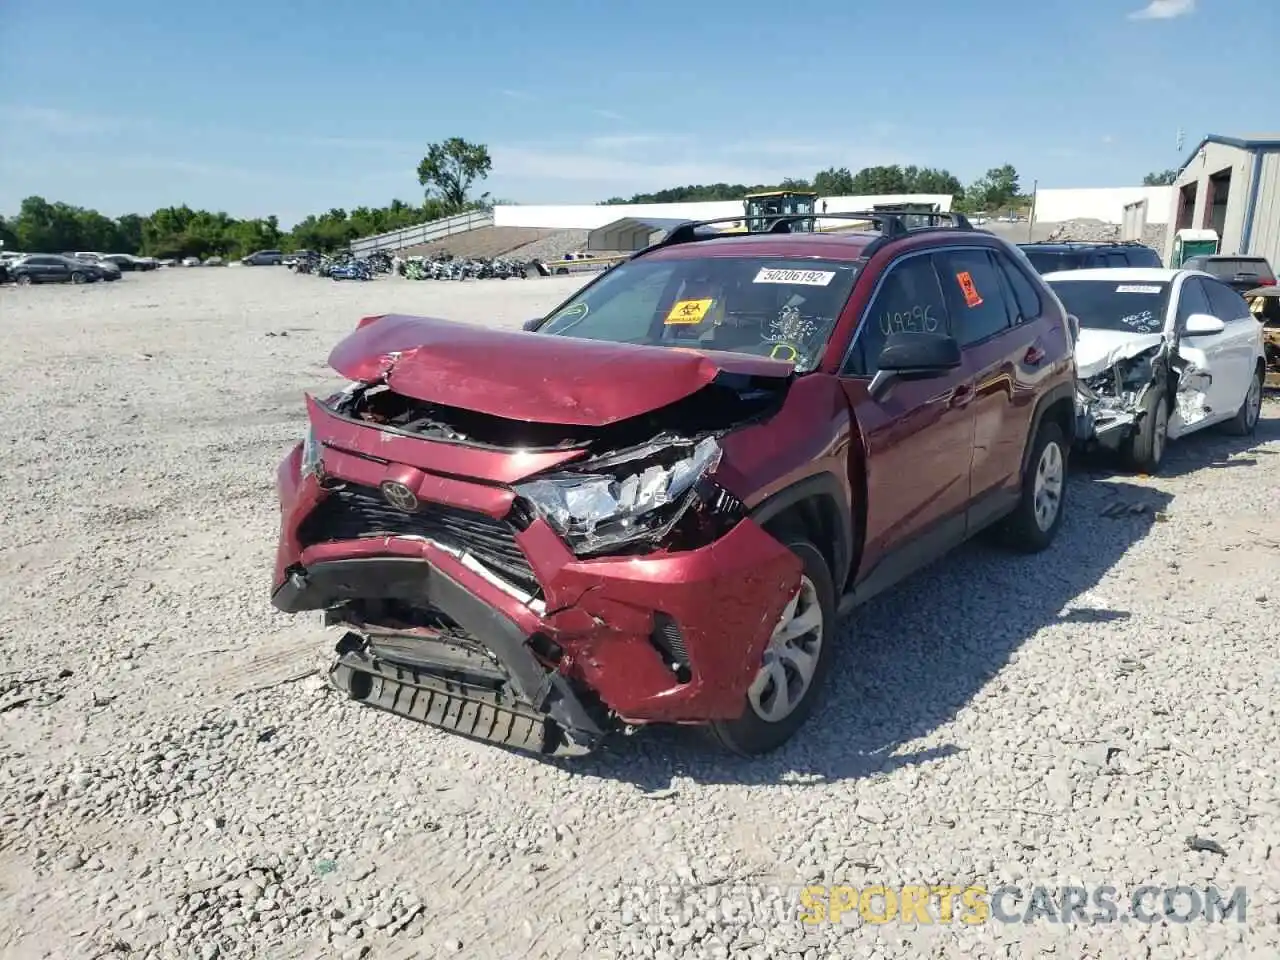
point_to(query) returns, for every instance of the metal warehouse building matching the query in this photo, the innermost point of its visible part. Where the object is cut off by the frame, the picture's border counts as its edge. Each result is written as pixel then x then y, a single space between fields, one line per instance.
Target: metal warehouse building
pixel 1231 186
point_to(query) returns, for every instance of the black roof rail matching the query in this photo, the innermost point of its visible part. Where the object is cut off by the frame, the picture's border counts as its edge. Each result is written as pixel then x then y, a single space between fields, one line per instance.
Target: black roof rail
pixel 891 225
pixel 1083 243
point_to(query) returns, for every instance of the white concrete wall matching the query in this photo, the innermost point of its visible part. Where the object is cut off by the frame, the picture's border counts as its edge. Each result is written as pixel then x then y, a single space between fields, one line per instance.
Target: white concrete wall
pixel 1102 203
pixel 591 217
pixel 1265 241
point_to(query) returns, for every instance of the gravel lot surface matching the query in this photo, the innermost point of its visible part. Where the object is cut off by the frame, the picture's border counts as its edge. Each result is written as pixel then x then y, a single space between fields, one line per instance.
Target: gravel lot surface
pixel 176 782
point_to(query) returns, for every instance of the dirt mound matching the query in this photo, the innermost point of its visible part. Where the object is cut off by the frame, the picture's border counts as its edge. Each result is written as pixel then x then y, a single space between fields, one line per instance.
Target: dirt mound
pixel 483 242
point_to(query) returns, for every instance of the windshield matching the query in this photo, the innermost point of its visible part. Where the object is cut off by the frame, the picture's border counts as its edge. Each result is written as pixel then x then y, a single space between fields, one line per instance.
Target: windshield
pixel 1111 305
pixel 780 307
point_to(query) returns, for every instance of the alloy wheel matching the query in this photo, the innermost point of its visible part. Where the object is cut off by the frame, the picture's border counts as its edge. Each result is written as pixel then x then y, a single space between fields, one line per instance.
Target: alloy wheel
pixel 1050 477
pixel 1253 404
pixel 791 657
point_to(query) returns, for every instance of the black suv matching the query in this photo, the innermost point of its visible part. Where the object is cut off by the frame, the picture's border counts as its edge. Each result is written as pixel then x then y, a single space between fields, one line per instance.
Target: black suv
pixel 1049 255
pixel 1241 274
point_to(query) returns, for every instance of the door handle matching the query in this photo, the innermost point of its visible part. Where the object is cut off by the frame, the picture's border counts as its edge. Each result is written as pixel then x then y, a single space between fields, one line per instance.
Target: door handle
pixel 1034 356
pixel 961 395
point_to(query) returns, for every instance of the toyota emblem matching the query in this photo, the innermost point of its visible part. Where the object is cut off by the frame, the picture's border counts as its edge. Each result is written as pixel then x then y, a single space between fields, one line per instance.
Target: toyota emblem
pixel 399 496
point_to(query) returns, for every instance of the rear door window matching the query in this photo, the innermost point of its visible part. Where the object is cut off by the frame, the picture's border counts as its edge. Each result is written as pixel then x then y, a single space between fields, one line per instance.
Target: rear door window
pixel 1025 294
pixel 909 299
pixel 975 295
pixel 1228 306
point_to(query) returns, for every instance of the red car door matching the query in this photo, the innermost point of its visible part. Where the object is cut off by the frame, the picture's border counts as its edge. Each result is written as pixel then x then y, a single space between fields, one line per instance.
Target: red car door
pixel 1000 338
pixel 918 434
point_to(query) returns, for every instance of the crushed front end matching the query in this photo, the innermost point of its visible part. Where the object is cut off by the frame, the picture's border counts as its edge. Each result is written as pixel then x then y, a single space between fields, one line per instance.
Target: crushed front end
pixel 1109 404
pixel 525 583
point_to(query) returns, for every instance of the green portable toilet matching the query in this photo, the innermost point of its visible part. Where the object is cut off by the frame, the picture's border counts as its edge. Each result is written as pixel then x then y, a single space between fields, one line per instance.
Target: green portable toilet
pixel 1192 243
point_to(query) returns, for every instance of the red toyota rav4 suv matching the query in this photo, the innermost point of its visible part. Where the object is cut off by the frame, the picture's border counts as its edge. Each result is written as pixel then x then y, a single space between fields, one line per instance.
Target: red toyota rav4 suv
pixel 654 504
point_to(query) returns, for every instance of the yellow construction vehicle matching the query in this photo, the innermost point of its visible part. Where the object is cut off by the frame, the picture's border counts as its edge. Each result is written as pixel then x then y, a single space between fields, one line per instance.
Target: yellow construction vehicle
pixel 771 204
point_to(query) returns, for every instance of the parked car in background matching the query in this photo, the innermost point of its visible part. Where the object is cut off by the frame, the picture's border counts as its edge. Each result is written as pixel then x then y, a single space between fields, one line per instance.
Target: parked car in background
pixel 52 268
pixel 215 262
pixel 105 269
pixel 1242 274
pixel 128 262
pixel 191 261
pixel 263 258
pixel 653 505
pixel 1053 256
pixel 292 259
pixel 1161 354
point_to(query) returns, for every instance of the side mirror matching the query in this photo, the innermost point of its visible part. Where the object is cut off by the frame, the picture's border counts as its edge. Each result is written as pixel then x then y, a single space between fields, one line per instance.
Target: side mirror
pixel 1073 323
pixel 914 356
pixel 533 324
pixel 1203 325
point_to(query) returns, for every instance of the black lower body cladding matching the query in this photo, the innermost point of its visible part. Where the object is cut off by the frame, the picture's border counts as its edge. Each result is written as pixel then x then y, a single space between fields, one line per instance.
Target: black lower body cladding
pixel 519 714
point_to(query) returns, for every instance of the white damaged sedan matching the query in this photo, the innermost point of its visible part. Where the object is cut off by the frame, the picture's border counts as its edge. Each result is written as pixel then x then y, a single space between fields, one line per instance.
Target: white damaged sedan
pixel 1160 354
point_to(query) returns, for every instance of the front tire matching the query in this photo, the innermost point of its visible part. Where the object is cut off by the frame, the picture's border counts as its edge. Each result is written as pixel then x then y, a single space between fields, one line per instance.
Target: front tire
pixel 1034 523
pixel 78 277
pixel 1144 451
pixel 795 663
pixel 1245 422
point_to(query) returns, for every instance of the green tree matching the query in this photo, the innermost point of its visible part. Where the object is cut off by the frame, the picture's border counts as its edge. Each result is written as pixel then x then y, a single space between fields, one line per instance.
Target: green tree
pixel 999 189
pixel 1163 178
pixel 450 168
pixel 879 181
pixel 833 182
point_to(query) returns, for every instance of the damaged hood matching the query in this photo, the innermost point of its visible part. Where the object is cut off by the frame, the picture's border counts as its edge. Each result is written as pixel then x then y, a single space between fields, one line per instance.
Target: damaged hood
pixel 1099 350
pixel 530 376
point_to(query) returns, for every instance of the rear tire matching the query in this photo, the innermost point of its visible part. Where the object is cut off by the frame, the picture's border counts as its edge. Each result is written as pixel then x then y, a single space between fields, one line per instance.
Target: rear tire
pixel 1144 451
pixel 1245 423
pixel 781 688
pixel 1034 522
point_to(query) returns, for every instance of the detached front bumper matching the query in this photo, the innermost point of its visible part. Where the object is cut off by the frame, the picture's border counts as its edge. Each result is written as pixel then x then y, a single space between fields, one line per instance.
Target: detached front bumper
pixel 667 637
pixel 417 693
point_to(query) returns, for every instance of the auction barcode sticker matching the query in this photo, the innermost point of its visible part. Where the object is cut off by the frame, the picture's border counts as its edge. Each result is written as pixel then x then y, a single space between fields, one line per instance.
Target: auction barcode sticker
pixel 1137 288
pixel 811 278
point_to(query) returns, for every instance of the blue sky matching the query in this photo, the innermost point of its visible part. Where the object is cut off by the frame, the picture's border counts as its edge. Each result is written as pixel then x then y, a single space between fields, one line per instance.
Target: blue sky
pixel 286 107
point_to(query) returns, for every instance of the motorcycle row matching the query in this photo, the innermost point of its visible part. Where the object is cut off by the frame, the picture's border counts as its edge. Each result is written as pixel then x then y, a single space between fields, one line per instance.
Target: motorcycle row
pixel 438 266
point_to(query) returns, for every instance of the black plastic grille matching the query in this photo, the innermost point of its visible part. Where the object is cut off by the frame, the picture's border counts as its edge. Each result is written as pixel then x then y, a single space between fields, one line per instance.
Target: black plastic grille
pixel 356 512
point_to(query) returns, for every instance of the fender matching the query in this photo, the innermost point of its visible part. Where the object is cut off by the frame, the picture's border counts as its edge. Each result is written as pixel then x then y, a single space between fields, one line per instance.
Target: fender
pixel 820 486
pixel 1064 391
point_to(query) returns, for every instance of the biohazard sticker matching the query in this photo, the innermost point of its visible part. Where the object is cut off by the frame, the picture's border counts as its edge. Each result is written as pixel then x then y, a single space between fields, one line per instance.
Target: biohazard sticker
pixel 971 296
pixel 807 278
pixel 689 311
pixel 1137 288
pixel 784 351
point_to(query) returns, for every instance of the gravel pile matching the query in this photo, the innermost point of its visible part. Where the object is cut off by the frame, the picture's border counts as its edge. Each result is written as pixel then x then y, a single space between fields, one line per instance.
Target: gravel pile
pixel 176 781
pixel 553 247
pixel 1153 234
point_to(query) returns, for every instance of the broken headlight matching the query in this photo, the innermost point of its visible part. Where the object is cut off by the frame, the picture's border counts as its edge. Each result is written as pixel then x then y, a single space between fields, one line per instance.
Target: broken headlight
pixel 595 511
pixel 311 453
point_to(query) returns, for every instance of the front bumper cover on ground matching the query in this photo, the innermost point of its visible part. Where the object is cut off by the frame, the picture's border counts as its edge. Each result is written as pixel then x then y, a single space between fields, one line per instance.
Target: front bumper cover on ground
pixel 543 695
